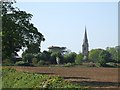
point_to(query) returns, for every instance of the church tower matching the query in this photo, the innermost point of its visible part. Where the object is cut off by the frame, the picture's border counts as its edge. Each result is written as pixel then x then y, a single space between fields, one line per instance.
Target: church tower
pixel 85 46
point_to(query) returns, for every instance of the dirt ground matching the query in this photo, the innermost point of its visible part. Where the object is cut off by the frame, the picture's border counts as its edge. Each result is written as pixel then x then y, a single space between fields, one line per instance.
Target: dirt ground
pixel 89 77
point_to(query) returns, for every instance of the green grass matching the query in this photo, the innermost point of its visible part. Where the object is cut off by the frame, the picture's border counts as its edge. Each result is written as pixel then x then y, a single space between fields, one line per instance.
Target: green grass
pixel 16 79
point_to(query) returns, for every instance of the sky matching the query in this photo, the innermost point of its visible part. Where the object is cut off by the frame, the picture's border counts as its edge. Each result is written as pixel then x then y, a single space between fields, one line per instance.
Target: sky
pixel 63 23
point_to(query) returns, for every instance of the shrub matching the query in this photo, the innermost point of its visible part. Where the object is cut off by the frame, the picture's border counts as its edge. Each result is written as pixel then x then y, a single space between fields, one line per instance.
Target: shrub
pixel 69 64
pixel 20 63
pixel 91 64
pixel 28 57
pixel 97 64
pixel 7 62
pixel 99 56
pixel 41 63
pixel 79 58
pixel 34 61
pixel 70 57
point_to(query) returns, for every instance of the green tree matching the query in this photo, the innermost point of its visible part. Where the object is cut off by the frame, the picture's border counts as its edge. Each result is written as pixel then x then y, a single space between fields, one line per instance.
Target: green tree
pixel 114 51
pixel 33 48
pixel 94 55
pixel 18 32
pixel 79 58
pixel 27 58
pixel 57 56
pixel 99 56
pixel 70 57
pixel 104 57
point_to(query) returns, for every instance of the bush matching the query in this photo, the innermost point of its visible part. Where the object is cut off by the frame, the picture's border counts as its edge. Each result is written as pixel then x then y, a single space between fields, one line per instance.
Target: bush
pixel 91 64
pixel 97 64
pixel 7 62
pixel 28 57
pixel 41 63
pixel 20 63
pixel 100 56
pixel 69 64
pixel 34 61
pixel 70 57
pixel 79 59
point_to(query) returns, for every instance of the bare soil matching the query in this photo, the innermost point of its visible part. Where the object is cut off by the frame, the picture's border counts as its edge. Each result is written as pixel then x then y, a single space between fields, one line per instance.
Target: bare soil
pixel 89 77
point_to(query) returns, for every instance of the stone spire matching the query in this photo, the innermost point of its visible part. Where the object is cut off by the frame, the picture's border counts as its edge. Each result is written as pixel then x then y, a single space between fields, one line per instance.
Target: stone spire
pixel 85 46
pixel 85 37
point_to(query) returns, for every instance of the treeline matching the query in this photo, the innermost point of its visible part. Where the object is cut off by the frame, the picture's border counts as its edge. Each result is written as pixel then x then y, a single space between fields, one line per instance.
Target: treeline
pixel 96 58
pixel 110 56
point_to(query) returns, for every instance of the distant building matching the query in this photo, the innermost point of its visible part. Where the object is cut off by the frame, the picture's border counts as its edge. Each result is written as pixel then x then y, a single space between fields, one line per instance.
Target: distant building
pixel 85 46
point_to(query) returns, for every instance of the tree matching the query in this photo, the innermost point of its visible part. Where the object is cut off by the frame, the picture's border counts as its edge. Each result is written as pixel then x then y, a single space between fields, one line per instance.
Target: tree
pixel 114 51
pixel 118 49
pixel 27 58
pixel 70 57
pixel 94 55
pixel 57 56
pixel 104 57
pixel 33 48
pixel 79 58
pixel 99 56
pixel 18 32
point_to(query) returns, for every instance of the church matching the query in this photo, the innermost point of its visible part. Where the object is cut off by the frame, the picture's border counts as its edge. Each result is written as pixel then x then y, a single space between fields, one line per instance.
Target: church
pixel 85 46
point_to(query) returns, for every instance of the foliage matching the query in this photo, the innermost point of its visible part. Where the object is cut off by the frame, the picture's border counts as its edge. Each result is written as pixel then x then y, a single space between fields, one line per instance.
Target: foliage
pixel 33 48
pixel 7 62
pixel 41 58
pixel 93 55
pixel 19 63
pixel 28 57
pixel 79 58
pixel 70 57
pixel 34 61
pixel 17 79
pixel 69 64
pixel 46 55
pixel 57 56
pixel 104 57
pixel 114 51
pixel 99 56
pixel 41 63
pixel 18 32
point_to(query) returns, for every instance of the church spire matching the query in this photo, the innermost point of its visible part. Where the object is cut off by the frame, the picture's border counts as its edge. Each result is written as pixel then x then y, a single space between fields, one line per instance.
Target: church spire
pixel 85 46
pixel 85 36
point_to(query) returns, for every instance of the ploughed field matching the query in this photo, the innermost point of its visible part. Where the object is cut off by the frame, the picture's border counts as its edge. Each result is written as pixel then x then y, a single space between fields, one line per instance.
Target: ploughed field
pixel 89 77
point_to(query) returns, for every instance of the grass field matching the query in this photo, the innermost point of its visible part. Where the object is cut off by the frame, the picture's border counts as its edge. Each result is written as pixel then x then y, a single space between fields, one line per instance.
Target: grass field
pixel 88 77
